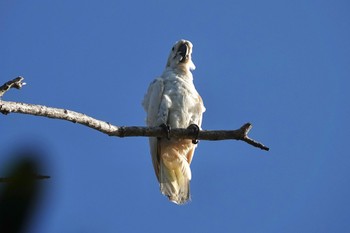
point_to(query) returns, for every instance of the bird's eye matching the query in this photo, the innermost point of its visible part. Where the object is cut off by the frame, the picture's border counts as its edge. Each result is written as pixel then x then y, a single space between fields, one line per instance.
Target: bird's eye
pixel 173 49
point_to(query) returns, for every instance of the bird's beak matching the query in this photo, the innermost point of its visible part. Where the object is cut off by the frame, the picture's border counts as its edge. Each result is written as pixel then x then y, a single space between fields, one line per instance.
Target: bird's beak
pixel 183 51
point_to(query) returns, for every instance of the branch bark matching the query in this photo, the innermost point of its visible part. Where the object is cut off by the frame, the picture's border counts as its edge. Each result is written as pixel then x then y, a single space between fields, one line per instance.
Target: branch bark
pixel 15 83
pixel 7 107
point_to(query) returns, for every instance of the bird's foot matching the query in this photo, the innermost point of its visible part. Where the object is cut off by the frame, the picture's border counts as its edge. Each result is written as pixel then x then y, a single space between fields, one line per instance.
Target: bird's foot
pixel 167 129
pixel 196 130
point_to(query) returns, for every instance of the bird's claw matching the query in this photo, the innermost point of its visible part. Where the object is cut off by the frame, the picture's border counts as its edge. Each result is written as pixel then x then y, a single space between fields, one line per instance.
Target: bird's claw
pixel 196 130
pixel 167 129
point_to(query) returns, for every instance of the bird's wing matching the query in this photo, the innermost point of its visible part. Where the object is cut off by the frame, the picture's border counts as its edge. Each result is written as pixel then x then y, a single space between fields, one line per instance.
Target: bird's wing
pixel 152 100
pixel 196 119
pixel 201 110
pixel 151 103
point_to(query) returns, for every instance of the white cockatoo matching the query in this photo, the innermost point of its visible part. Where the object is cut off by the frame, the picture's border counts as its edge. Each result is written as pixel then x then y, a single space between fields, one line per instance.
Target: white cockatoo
pixel 173 101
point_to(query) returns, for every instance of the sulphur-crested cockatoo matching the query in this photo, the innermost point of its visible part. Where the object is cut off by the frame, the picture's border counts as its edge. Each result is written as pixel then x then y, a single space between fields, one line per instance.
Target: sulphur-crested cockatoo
pixel 173 101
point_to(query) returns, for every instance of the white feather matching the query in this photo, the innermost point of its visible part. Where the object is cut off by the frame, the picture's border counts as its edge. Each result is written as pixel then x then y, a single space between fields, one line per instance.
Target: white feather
pixel 172 99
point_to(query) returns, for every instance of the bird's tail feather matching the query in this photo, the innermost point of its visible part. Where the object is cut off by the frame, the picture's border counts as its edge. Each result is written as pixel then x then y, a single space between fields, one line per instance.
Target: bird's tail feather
pixel 175 184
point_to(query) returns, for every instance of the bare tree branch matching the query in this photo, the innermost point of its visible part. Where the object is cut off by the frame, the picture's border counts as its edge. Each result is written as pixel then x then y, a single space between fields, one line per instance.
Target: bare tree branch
pixel 7 107
pixel 15 83
pixel 12 179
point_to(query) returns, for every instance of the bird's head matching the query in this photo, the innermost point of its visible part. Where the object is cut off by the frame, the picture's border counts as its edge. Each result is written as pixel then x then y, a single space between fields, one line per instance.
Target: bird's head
pixel 180 56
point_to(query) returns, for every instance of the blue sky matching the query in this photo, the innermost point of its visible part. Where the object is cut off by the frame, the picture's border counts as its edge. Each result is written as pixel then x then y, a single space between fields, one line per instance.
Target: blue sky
pixel 282 65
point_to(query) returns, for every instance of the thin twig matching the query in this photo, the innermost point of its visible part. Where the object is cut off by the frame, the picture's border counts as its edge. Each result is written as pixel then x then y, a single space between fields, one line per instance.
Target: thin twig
pixel 7 107
pixel 14 83
pixel 13 179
